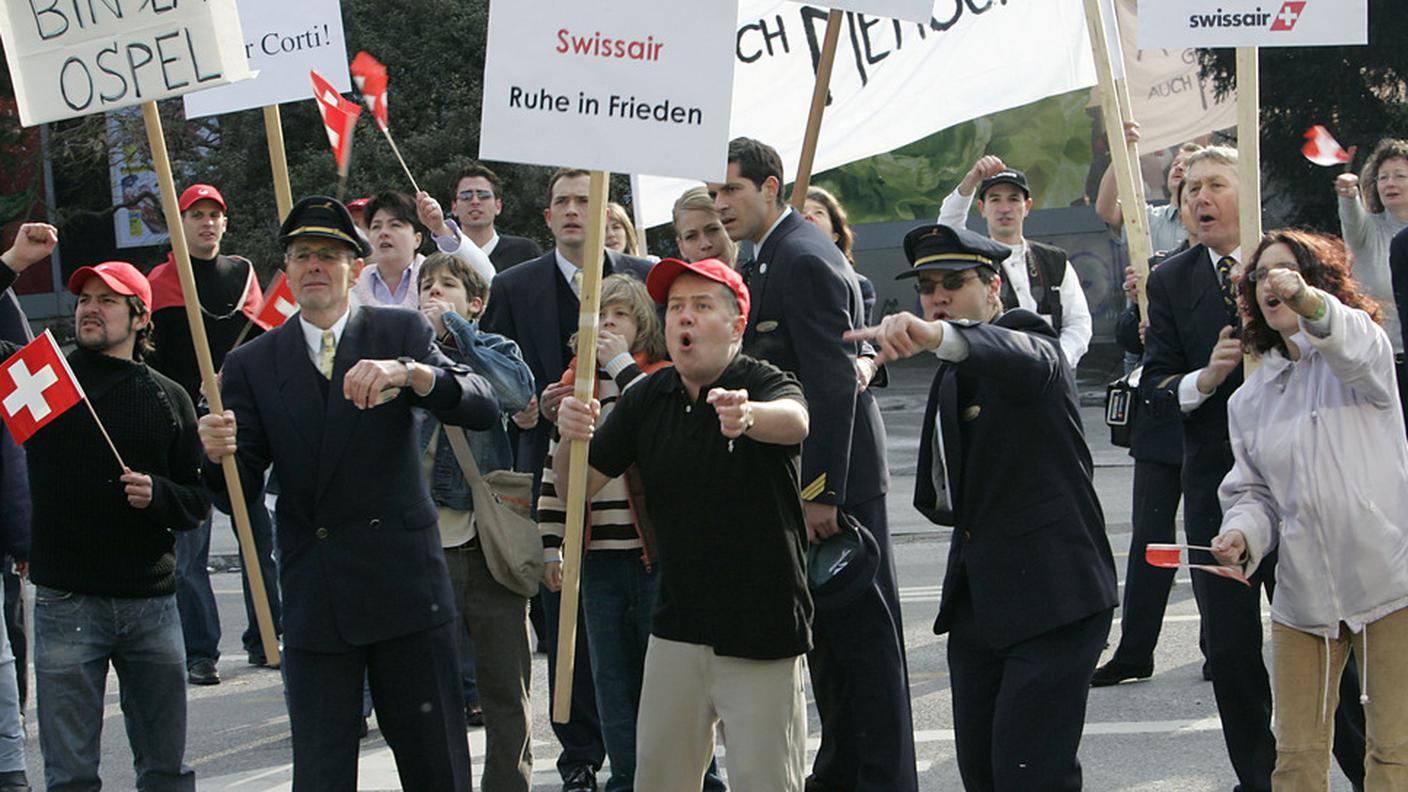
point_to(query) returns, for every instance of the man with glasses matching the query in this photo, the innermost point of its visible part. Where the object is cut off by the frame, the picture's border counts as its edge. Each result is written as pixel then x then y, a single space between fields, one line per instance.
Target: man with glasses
pixel 1029 587
pixel 478 200
pixel 366 587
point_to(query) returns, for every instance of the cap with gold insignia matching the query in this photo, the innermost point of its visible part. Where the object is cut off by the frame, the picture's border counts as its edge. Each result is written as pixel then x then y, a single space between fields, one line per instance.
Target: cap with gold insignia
pixel 321 216
pixel 939 247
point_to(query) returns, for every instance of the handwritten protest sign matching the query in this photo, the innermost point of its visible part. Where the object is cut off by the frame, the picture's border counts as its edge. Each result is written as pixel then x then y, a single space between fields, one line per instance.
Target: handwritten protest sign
pixel 907 10
pixel 636 86
pixel 1252 23
pixel 284 41
pixel 73 59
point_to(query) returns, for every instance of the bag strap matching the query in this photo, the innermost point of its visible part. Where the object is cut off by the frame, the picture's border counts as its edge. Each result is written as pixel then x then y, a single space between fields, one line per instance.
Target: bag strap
pixel 460 446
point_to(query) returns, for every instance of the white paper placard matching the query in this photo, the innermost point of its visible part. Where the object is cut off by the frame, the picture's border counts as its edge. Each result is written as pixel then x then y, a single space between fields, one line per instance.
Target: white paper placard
pixel 1252 23
pixel 633 86
pixel 71 59
pixel 284 40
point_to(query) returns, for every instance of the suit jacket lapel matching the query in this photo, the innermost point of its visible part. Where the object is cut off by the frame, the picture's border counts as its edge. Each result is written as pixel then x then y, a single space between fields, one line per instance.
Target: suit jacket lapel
pixel 298 383
pixel 760 268
pixel 953 439
pixel 342 415
pixel 1203 285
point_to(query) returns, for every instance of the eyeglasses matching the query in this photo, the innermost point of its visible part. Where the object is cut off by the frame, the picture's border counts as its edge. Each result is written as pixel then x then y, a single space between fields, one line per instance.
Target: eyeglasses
pixel 1262 273
pixel 483 195
pixel 324 255
pixel 952 281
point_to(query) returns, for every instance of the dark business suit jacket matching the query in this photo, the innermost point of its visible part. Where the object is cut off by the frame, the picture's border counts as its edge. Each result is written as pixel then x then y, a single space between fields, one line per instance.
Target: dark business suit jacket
pixel 1029 543
pixel 361 558
pixel 513 250
pixel 804 296
pixel 524 306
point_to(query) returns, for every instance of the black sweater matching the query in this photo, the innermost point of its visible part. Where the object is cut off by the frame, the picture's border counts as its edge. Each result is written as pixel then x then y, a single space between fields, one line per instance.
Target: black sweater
pixel 220 282
pixel 86 537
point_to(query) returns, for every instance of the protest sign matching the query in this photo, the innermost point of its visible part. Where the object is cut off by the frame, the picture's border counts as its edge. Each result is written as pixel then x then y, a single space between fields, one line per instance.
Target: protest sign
pixel 1252 23
pixel 894 82
pixel 283 41
pixel 74 59
pixel 906 10
pixel 637 86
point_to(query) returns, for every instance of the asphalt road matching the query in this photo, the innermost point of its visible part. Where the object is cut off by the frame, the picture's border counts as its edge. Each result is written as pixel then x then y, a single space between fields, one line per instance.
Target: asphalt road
pixel 1154 736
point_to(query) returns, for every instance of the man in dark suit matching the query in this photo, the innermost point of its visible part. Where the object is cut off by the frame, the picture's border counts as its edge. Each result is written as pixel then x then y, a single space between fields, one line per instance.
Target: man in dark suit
pixel 805 296
pixel 478 200
pixel 535 303
pixel 1030 586
pixel 1193 364
pixel 326 399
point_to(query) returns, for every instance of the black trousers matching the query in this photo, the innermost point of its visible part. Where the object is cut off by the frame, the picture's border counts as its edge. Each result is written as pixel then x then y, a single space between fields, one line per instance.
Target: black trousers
pixel 1018 711
pixel 1157 490
pixel 580 736
pixel 415 684
pixel 861 681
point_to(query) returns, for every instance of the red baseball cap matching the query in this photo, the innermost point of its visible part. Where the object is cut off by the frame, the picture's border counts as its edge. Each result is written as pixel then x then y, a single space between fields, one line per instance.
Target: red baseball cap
pixel 358 205
pixel 201 192
pixel 120 276
pixel 663 275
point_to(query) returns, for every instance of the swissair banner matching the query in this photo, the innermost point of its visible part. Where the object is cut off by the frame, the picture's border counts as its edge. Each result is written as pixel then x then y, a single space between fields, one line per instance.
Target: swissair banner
pixel 1252 23
pixel 894 82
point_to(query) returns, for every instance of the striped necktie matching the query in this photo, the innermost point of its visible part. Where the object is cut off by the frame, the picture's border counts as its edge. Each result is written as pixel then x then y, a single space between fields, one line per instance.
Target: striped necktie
pixel 1229 290
pixel 326 354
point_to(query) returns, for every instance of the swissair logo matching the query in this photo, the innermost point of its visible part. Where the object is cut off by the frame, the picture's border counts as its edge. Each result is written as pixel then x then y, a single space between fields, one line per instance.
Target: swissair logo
pixel 1289 14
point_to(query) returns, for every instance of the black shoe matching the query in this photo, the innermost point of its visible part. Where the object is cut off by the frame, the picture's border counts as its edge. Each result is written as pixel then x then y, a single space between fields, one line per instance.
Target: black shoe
pixel 259 659
pixel 1115 672
pixel 814 784
pixel 362 734
pixel 202 672
pixel 14 781
pixel 581 779
pixel 473 715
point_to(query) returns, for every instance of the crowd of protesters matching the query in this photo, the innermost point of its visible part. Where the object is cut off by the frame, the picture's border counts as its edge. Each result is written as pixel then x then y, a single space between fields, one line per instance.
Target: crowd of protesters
pixel 736 547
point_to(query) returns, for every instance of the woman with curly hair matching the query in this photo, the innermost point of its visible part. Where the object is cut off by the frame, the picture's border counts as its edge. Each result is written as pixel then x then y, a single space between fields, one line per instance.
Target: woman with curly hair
pixel 1373 206
pixel 1321 464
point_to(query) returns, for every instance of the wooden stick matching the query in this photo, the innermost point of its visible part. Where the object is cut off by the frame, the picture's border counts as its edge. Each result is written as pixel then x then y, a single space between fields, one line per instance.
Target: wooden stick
pixel 577 480
pixel 819 93
pixel 399 159
pixel 1248 165
pixel 278 161
pixel 104 430
pixel 1124 156
pixel 211 386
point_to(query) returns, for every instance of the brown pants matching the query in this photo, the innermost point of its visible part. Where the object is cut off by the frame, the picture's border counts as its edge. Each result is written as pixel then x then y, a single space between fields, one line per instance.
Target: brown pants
pixel 1305 699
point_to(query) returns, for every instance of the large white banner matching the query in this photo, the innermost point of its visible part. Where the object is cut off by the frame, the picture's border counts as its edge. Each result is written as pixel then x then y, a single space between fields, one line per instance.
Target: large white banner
pixel 894 82
pixel 1252 23
pixel 284 40
pixel 70 59
pixel 637 86
pixel 908 10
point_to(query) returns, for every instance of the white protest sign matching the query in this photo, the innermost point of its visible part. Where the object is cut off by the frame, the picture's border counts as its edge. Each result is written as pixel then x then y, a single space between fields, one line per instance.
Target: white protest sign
pixel 631 86
pixel 70 59
pixel 283 41
pixel 1252 23
pixel 907 10
pixel 894 82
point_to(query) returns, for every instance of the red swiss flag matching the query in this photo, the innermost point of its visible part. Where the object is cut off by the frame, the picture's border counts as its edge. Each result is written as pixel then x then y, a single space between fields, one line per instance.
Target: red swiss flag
pixel 278 304
pixel 339 118
pixel 36 386
pixel 370 77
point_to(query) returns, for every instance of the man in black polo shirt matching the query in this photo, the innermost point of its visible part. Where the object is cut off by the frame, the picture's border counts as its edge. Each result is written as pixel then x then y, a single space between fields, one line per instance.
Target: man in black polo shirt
pixel 733 618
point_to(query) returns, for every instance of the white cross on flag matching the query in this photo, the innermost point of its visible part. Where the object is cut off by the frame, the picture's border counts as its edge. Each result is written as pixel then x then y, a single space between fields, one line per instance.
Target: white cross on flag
pixel 36 386
pixel 339 119
pixel 1321 147
pixel 278 304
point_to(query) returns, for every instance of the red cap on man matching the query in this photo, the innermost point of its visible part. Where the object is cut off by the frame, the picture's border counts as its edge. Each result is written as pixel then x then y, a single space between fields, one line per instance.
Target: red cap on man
pixel 201 192
pixel 120 276
pixel 663 275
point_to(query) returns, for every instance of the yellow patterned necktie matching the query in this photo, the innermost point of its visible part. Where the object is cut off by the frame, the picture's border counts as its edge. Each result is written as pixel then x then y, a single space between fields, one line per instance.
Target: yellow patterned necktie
pixel 326 354
pixel 577 282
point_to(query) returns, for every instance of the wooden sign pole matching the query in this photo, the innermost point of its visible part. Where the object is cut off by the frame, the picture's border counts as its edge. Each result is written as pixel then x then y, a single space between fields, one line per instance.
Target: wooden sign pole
pixel 1124 156
pixel 182 255
pixel 278 161
pixel 819 93
pixel 1249 149
pixel 577 482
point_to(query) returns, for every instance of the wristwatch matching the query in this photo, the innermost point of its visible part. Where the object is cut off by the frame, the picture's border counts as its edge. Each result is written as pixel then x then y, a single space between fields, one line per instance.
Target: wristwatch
pixel 410 364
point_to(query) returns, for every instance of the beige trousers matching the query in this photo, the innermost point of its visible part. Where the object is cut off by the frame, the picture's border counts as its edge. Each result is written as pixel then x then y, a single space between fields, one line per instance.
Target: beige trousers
pixel 1306 691
pixel 688 689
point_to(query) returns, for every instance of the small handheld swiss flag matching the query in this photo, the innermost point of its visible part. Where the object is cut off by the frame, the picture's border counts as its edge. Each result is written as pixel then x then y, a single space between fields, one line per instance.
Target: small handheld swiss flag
pixel 1321 147
pixel 339 119
pixel 1170 556
pixel 278 304
pixel 370 78
pixel 36 386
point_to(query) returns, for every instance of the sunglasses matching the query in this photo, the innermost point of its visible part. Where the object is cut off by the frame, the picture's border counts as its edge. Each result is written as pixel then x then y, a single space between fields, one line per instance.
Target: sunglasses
pixel 952 281
pixel 483 195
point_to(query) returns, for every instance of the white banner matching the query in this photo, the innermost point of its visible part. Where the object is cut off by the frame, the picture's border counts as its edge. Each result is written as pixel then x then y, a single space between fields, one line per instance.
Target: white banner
pixel 635 86
pixel 1252 23
pixel 1171 102
pixel 70 59
pixel 894 82
pixel 284 40
pixel 907 10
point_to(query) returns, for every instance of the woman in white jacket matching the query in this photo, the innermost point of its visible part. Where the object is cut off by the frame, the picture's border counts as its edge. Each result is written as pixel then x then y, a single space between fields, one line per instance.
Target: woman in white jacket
pixel 1321 474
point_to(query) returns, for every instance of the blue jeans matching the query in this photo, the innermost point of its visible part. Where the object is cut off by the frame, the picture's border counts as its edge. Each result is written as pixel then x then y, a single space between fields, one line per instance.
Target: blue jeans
pixel 618 598
pixel 75 637
pixel 11 732
pixel 200 618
